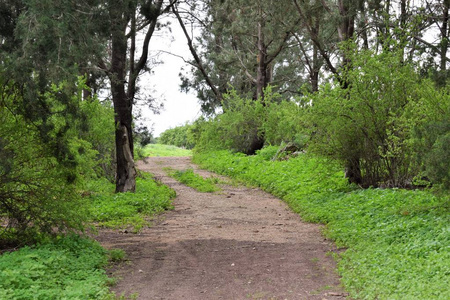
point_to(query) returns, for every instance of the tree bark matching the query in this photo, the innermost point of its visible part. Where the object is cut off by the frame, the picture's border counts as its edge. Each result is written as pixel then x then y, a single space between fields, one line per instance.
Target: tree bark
pixel 261 67
pixel 444 36
pixel 125 172
pixel 125 175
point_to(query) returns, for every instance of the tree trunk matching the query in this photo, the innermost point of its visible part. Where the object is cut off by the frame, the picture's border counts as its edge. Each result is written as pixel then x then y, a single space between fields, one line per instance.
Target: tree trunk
pixel 444 36
pixel 353 171
pixel 126 172
pixel 261 67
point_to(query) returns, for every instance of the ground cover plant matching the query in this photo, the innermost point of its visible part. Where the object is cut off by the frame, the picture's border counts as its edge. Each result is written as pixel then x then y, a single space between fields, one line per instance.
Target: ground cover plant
pixel 151 150
pixel 195 181
pixel 65 268
pixel 72 267
pixel 398 240
pixel 129 210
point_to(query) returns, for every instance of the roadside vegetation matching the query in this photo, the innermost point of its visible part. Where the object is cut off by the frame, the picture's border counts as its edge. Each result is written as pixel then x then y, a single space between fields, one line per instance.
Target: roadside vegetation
pixel 130 211
pixel 371 162
pixel 68 267
pixel 73 266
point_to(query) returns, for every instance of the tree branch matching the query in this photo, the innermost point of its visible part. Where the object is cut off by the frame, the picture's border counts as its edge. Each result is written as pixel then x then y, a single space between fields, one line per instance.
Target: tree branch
pixel 438 51
pixel 196 57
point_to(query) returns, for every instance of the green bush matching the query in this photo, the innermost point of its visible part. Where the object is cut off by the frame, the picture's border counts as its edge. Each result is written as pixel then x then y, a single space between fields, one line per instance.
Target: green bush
pixel 39 177
pixel 397 239
pixel 369 125
pixel 430 134
pixel 98 129
pixel 46 161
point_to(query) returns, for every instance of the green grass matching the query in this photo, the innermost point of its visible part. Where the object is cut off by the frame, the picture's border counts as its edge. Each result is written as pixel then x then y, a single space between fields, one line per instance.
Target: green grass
pixel 66 268
pixel 129 210
pixel 398 240
pixel 195 181
pixel 163 151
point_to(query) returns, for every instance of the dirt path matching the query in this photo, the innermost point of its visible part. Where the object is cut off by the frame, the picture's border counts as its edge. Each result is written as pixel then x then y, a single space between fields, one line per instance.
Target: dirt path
pixel 240 243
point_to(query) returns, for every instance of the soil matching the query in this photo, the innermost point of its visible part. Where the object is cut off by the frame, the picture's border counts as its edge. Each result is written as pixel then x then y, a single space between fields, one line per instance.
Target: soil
pixel 239 243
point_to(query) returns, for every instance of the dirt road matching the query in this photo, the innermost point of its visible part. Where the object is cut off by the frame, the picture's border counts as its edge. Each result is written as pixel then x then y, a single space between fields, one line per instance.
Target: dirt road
pixel 240 243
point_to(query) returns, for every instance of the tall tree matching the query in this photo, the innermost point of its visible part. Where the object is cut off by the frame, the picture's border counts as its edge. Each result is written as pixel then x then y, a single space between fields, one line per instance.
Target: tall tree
pixel 128 19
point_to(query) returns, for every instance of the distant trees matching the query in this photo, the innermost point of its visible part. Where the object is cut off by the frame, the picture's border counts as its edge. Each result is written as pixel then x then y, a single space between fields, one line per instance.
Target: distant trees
pixel 180 136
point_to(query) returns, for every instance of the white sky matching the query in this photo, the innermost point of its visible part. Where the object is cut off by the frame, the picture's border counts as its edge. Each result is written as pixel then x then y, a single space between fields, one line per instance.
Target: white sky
pixel 179 107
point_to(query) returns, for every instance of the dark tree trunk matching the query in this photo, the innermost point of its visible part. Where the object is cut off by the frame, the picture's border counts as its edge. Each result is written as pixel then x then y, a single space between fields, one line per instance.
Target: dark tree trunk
pixel 126 172
pixel 444 35
pixel 261 76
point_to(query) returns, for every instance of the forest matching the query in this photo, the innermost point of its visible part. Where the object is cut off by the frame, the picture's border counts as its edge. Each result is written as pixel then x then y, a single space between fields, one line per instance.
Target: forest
pixel 341 108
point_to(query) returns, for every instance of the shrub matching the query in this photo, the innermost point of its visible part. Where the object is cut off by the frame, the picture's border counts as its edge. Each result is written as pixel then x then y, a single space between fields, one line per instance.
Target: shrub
pixel 128 210
pixel 46 160
pixel 38 178
pixel 369 124
pixel 430 136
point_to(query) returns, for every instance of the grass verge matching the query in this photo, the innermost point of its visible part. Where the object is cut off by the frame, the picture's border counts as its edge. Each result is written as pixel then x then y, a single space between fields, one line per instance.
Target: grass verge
pixel 195 181
pixel 129 210
pixel 398 240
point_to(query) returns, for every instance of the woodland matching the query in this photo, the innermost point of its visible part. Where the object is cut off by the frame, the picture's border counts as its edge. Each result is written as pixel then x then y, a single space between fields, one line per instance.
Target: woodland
pixel 349 100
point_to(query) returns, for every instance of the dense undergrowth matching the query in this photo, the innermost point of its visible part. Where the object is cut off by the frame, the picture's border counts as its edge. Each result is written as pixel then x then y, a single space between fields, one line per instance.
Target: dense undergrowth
pixel 397 240
pixel 195 181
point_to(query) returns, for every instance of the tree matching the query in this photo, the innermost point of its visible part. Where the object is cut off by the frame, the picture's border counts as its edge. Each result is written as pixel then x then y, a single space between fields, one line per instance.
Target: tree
pixel 127 20
pixel 243 47
pixel 65 38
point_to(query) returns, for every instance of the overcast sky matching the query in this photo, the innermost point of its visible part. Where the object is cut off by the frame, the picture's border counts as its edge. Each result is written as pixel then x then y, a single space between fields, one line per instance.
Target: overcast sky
pixel 179 107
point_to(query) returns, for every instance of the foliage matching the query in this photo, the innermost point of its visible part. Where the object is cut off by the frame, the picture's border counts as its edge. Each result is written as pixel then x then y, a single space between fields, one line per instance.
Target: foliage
pixel 43 163
pixel 142 135
pixel 128 210
pixel 431 133
pixel 164 151
pixel 244 46
pixel 98 129
pixel 397 239
pixel 179 136
pixel 195 181
pixel 368 125
pixel 65 268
